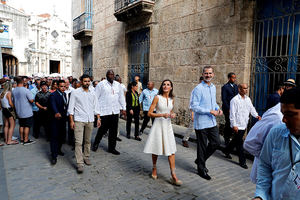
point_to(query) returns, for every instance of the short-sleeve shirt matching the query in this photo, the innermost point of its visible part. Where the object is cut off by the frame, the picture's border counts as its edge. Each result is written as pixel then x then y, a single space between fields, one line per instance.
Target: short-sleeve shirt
pixel 42 98
pixel 21 98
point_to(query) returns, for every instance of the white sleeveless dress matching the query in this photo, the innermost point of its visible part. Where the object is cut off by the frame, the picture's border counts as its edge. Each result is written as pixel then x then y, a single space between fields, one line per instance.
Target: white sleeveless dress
pixel 161 140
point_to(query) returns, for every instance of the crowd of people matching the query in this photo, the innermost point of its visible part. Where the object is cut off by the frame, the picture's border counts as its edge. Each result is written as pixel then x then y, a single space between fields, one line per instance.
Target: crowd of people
pixel 72 108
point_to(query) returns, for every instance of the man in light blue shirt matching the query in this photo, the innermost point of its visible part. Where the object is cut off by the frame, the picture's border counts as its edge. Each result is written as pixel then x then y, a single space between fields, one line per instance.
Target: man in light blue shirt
pixel 35 110
pixel 203 103
pixel 258 133
pixel 146 99
pixel 278 175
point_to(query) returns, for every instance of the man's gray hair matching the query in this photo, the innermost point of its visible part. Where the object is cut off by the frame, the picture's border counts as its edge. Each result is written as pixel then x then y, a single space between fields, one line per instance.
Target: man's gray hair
pixel 207 67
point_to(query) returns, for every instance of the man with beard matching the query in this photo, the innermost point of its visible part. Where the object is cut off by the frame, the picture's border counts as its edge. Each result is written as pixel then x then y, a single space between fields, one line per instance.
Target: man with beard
pixel 111 99
pixel 278 175
pixel 203 103
pixel 83 106
pixel 58 113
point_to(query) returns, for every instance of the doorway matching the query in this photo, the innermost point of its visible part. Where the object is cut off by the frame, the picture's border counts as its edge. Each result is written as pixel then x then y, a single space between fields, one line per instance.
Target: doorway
pixel 54 66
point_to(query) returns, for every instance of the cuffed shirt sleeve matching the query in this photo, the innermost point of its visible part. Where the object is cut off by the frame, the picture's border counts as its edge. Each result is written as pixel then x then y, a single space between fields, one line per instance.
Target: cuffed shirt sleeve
pixel 122 99
pixel 232 113
pixel 72 104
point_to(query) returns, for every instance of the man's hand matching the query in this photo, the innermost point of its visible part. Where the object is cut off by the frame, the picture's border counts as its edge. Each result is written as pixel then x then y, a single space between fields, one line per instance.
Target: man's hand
pixel 214 112
pixel 57 115
pixel 45 108
pixel 123 113
pixel 173 115
pixel 235 129
pixel 220 112
pixel 98 123
pixel 258 117
pixel 72 125
pixel 131 112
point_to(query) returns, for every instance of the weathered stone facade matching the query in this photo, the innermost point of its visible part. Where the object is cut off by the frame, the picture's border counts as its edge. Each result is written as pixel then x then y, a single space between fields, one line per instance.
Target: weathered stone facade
pixel 185 36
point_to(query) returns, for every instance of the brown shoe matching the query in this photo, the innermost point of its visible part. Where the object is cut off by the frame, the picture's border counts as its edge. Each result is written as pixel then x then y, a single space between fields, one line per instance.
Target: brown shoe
pixel 185 144
pixel 79 169
pixel 87 162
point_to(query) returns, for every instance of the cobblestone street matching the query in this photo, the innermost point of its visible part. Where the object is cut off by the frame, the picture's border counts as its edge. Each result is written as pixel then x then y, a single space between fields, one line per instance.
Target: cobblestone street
pixel 29 174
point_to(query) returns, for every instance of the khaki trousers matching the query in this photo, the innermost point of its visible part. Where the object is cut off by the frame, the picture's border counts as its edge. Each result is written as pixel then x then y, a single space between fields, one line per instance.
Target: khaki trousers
pixel 82 132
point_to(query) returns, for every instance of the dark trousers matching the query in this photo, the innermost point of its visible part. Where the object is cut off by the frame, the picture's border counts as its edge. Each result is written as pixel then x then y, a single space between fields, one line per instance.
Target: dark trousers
pixel 43 121
pixel 237 141
pixel 71 138
pixel 136 114
pixel 36 124
pixel 204 150
pixel 227 129
pixel 146 120
pixel 58 135
pixel 108 123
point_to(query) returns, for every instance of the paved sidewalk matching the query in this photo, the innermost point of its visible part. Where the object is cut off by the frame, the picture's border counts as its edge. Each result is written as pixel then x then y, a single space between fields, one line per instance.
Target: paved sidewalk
pixel 30 175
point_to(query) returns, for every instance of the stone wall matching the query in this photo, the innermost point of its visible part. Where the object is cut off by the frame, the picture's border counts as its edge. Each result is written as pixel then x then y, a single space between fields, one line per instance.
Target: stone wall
pixel 186 35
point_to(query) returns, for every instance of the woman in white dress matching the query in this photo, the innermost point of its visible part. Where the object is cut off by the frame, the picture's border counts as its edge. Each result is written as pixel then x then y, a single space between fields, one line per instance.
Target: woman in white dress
pixel 161 140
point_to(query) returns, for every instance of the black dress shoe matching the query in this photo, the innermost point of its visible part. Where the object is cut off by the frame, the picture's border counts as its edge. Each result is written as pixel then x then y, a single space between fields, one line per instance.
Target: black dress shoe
pixel 244 166
pixel 128 136
pixel 119 139
pixel 115 152
pixel 227 155
pixel 205 169
pixel 138 138
pixel 95 147
pixel 60 153
pixel 53 161
pixel 204 175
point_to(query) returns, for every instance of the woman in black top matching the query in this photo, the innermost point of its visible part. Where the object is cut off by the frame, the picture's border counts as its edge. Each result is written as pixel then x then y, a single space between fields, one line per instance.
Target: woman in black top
pixel 132 109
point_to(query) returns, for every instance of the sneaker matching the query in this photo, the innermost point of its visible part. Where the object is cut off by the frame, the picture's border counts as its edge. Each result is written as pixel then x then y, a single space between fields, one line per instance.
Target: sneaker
pixel 14 138
pixel 28 142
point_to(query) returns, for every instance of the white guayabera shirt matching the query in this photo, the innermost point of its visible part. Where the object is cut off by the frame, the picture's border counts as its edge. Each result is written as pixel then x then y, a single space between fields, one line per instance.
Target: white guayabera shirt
pixel 240 108
pixel 111 97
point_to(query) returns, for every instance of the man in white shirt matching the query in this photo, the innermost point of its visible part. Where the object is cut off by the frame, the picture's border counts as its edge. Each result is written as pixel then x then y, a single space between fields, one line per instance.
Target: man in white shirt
pixel 111 100
pixel 240 108
pixel 83 107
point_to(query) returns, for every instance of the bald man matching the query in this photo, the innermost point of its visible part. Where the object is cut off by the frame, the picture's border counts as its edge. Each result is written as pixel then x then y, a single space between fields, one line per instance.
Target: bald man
pixel 146 99
pixel 240 108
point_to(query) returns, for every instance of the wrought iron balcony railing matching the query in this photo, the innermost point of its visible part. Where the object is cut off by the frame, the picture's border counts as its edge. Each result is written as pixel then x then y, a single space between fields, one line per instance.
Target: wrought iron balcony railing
pixel 126 9
pixel 83 26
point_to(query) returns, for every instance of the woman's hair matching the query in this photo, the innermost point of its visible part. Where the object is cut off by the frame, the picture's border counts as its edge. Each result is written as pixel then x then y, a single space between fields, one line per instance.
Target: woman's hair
pixel 130 85
pixel 54 82
pixel 7 86
pixel 161 91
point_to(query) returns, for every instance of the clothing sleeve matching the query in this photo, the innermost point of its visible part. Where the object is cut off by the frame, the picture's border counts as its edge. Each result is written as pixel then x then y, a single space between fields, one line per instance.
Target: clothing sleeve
pixel 72 104
pixel 141 98
pixel 122 98
pixel 128 101
pixel 232 113
pixel 52 104
pixel 195 103
pixel 255 138
pixel 252 109
pixel 97 108
pixel 29 95
pixel 98 90
pixel 264 172
pixel 224 97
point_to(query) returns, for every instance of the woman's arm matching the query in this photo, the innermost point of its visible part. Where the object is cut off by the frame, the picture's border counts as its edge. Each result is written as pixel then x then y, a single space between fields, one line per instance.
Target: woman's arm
pixel 172 114
pixel 153 106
